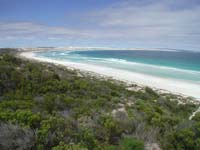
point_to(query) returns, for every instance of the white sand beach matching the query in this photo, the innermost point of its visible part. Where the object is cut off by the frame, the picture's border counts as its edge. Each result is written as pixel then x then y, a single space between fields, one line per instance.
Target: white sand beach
pixel 173 86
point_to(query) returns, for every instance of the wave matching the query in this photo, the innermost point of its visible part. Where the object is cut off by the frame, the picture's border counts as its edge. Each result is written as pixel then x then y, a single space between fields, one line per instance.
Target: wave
pixel 72 56
pixel 126 62
pixel 151 66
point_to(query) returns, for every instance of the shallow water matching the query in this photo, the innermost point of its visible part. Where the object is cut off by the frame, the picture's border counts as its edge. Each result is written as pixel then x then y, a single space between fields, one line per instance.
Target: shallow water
pixel 178 65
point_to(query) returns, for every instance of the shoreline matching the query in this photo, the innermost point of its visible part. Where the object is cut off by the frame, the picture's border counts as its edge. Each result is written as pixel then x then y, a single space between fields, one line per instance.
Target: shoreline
pixel 159 84
pixel 96 48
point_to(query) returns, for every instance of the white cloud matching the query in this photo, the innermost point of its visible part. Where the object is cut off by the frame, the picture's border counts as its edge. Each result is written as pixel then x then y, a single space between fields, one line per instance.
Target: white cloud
pixel 156 22
pixel 153 20
pixel 34 30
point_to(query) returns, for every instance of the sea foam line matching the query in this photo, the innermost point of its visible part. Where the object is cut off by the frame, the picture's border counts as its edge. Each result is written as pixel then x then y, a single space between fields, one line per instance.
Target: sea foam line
pixel 72 53
pixel 123 61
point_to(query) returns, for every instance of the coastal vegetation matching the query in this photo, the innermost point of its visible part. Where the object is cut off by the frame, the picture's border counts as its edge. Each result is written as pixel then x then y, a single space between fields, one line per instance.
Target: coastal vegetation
pixel 43 106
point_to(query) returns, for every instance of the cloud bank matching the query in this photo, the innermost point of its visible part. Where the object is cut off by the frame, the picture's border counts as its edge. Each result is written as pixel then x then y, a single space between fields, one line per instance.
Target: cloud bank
pixel 152 23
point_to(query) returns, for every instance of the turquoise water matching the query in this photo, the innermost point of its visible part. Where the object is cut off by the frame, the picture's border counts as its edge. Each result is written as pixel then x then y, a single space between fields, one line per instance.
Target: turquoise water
pixel 179 65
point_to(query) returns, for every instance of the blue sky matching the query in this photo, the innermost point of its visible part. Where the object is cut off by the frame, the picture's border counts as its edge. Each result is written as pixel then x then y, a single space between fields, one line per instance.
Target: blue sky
pixel 114 23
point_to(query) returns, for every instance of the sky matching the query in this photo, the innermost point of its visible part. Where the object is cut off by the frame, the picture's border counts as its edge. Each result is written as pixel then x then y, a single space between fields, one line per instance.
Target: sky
pixel 101 23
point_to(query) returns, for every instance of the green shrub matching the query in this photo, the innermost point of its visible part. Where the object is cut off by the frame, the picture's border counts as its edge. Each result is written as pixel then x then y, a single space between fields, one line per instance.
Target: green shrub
pixel 131 144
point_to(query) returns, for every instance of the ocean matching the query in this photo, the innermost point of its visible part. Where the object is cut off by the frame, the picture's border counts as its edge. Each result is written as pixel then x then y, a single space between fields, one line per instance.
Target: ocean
pixel 177 65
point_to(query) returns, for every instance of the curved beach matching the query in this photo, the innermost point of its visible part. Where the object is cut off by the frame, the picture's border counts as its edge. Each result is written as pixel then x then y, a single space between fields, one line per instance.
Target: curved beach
pixel 173 86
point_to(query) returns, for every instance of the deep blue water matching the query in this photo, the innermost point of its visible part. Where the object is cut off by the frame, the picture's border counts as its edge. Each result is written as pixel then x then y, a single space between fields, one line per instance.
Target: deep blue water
pixel 180 65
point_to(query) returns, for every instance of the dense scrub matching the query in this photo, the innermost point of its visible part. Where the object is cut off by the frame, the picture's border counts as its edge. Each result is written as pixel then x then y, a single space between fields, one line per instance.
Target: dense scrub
pixel 43 107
